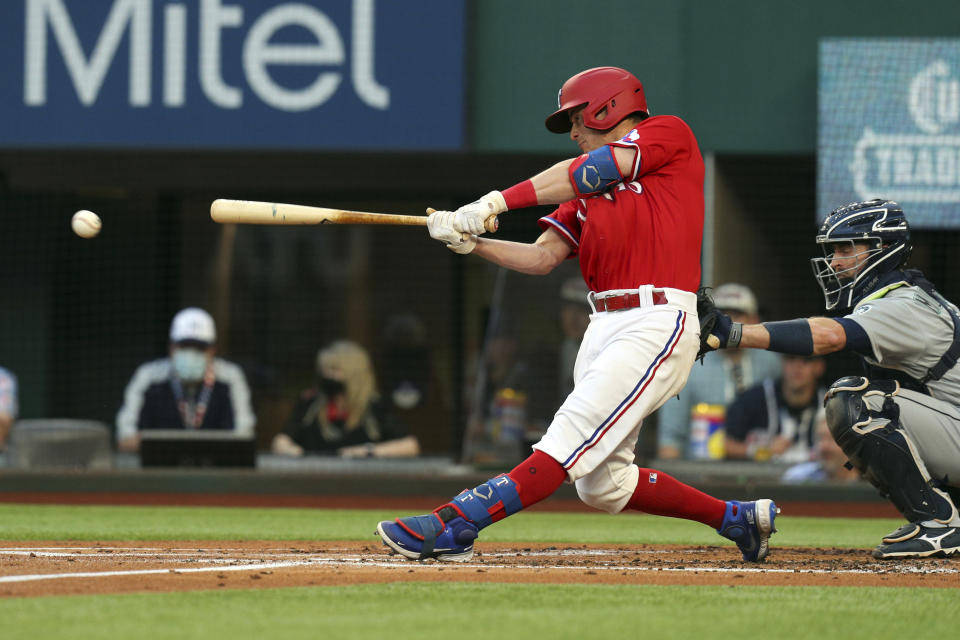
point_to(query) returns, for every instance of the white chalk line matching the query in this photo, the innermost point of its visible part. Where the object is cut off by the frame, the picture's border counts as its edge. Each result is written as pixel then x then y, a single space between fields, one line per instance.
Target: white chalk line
pixel 145 572
pixel 395 562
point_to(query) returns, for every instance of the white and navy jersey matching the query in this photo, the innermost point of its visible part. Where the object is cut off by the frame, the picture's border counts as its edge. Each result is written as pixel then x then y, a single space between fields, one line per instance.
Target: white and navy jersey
pixel 149 400
pixel 909 331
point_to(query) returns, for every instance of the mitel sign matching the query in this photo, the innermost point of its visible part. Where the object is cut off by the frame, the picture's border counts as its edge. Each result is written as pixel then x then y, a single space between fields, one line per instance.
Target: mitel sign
pixel 355 74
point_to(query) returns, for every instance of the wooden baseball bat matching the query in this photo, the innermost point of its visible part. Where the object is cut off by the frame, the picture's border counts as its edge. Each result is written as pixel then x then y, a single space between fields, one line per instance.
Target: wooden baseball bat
pixel 253 212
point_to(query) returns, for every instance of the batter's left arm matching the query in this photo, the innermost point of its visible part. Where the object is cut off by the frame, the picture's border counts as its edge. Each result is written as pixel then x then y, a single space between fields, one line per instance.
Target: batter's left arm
pixel 578 177
pixel 555 186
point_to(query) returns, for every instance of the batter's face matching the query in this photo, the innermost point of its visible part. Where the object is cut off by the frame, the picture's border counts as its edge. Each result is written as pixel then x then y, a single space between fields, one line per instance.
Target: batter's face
pixel 589 139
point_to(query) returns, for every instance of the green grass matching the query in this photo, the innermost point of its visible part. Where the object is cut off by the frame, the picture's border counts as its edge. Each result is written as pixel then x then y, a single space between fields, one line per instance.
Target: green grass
pixel 54 522
pixel 465 611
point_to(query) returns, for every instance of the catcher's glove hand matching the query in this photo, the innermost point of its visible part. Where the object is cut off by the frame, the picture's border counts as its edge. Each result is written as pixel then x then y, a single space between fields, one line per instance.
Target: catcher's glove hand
pixel 717 330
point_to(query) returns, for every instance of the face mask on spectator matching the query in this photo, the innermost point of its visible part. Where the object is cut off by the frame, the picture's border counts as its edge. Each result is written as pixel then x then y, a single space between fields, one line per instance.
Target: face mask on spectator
pixel 189 364
pixel 332 387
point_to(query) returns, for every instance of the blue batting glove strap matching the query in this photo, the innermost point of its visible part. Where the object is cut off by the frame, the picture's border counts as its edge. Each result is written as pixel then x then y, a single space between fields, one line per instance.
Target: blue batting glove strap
pixel 479 503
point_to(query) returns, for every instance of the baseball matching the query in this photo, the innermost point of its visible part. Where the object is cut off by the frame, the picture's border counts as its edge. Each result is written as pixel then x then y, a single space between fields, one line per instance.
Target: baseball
pixel 85 224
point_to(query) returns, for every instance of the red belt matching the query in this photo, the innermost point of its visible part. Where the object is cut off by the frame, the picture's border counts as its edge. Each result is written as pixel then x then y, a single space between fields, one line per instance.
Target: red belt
pixel 626 301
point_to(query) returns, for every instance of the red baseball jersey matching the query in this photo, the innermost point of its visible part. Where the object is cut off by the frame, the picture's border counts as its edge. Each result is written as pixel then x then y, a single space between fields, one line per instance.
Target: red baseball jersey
pixel 647 229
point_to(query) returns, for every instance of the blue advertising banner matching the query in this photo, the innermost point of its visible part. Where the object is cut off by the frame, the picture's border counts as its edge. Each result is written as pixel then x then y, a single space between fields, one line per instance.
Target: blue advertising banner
pixel 889 126
pixel 254 74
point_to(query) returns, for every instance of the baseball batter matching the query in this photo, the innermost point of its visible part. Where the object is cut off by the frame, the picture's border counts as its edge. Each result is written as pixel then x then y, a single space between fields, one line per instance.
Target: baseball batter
pixel 899 424
pixel 631 210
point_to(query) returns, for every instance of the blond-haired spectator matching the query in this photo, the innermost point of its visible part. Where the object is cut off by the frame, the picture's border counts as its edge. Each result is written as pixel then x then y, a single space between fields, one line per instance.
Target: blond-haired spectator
pixel 342 413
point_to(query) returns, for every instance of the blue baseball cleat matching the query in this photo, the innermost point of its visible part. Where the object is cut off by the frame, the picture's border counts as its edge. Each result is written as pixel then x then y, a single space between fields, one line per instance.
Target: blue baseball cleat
pixel 750 525
pixel 448 538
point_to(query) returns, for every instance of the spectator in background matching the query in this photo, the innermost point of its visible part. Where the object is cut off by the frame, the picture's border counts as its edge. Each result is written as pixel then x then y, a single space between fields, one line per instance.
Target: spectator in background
pixel 777 419
pixel 714 384
pixel 343 413
pixel 827 464
pixel 9 404
pixel 189 389
pixel 501 387
pixel 410 386
pixel 574 318
pixel 405 367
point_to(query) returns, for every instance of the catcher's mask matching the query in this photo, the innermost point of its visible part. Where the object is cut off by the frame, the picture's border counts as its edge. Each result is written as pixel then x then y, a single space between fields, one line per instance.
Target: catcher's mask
pixel 609 92
pixel 878 223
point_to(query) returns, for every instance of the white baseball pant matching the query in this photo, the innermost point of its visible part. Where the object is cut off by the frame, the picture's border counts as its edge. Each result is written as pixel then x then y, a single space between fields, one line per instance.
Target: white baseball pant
pixel 630 362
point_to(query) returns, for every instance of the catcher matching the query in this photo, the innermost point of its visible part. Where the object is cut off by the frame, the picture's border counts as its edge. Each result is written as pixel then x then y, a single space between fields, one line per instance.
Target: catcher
pixel 899 423
pixel 631 211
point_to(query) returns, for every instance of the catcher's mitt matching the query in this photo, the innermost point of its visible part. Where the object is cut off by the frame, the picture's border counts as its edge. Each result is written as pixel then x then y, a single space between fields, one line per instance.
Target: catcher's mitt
pixel 708 314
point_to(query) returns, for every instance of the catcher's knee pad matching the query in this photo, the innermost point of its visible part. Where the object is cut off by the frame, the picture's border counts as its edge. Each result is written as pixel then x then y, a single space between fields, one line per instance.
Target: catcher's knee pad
pixel 608 487
pixel 877 445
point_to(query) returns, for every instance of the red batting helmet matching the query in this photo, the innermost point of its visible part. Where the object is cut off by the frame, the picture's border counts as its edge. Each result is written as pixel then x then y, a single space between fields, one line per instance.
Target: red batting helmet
pixel 611 88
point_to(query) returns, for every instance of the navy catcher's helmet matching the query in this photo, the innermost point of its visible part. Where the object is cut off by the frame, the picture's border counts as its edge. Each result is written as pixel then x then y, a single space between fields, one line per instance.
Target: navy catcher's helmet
pixel 879 223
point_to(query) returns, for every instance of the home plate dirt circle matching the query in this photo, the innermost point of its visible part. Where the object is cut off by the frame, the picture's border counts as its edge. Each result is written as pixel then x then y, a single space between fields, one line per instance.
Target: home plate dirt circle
pixel 32 568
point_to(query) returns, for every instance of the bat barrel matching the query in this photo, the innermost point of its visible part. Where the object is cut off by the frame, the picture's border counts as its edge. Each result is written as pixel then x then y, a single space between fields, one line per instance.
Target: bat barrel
pixel 253 212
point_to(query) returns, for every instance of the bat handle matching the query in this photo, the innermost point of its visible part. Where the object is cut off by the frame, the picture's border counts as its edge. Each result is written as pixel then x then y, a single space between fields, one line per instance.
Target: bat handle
pixel 491 224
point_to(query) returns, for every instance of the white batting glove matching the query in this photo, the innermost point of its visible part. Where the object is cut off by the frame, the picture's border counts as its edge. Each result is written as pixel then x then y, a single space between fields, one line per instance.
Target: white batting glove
pixel 440 226
pixel 471 217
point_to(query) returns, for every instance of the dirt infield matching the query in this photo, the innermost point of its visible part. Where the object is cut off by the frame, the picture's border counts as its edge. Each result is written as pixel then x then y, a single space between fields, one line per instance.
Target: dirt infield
pixel 59 568
pixel 32 568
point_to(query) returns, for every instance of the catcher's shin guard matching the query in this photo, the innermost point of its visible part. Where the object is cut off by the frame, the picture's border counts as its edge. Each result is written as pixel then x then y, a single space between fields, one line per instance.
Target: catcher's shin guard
pixel 878 446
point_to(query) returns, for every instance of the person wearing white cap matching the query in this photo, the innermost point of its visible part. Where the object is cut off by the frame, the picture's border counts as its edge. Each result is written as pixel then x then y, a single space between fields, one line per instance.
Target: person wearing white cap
pixel 189 389
pixel 717 381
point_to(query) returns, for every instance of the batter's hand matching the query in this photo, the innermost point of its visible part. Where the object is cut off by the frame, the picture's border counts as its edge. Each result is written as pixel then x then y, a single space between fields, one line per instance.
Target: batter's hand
pixel 440 226
pixel 472 218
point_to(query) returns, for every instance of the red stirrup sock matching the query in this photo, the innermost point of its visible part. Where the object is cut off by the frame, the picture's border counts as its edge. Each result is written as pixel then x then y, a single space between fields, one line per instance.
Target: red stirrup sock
pixel 531 481
pixel 662 495
pixel 537 478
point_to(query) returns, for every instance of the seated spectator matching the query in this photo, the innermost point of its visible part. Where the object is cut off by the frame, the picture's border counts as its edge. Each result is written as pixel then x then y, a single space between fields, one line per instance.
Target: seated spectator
pixel 9 405
pixel 827 463
pixel 715 382
pixel 343 413
pixel 506 393
pixel 776 419
pixel 189 389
